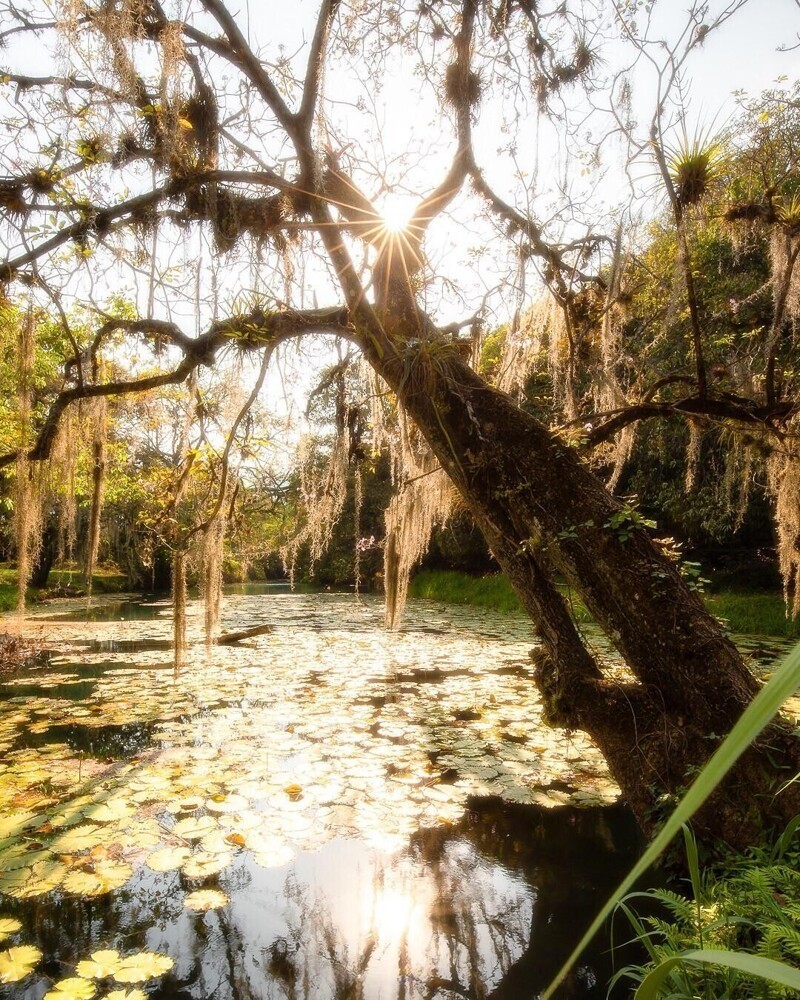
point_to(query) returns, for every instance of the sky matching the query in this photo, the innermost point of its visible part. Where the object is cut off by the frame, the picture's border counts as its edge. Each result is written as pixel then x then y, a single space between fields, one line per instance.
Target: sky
pixel 416 139
pixel 416 143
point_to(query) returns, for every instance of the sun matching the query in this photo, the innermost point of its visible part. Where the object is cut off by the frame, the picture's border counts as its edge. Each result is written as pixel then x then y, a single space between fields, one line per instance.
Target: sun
pixel 396 213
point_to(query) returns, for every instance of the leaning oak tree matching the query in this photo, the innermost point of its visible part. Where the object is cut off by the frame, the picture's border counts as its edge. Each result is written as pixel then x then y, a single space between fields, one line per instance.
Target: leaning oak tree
pixel 149 130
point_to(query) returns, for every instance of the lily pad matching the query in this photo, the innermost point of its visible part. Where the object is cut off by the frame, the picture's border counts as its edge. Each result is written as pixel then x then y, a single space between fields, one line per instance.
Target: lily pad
pixel 100 965
pixel 203 864
pixel 193 828
pixel 8 927
pixel 205 899
pixel 74 988
pixel 143 966
pixel 17 963
pixel 168 859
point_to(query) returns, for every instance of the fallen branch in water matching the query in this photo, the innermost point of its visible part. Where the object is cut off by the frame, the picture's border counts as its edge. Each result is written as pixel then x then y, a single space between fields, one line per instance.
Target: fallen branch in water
pixel 228 638
pixel 16 653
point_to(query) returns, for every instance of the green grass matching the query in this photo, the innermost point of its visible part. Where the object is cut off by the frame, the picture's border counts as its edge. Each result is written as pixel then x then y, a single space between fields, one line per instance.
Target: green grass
pixel 459 588
pixel 106 580
pixel 751 614
pixel 754 614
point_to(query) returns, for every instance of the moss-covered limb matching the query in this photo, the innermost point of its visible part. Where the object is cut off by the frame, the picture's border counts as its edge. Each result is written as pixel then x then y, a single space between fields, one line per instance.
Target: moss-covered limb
pixel 256 329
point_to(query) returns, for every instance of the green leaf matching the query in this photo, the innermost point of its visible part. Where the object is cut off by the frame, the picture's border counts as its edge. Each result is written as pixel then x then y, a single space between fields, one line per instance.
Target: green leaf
pixel 752 965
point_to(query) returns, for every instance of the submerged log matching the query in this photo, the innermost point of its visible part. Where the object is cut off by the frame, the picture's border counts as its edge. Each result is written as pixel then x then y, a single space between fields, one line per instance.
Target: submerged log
pixel 228 638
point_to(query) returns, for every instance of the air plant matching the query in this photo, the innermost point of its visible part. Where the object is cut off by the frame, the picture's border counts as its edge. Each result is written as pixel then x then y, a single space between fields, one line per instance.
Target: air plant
pixel 787 210
pixel 694 166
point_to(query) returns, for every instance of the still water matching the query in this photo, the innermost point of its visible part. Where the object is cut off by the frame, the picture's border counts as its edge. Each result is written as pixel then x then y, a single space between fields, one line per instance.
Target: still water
pixel 324 812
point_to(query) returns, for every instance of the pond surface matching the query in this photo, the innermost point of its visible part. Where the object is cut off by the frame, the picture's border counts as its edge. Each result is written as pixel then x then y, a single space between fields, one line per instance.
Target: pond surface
pixel 326 811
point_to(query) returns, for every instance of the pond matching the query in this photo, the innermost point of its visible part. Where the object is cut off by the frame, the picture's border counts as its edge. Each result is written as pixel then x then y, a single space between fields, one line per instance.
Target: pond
pixel 326 811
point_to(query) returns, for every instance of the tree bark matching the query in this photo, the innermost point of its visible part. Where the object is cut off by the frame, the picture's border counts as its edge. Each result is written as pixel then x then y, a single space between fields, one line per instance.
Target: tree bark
pixel 542 510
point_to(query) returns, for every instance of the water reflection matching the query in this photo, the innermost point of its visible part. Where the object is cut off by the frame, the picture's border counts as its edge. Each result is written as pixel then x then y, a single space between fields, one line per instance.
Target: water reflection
pixel 104 610
pixel 485 909
pixel 341 775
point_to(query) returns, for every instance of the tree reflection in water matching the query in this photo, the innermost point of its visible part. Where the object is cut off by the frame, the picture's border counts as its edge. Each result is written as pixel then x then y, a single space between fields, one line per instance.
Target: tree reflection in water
pixel 487 908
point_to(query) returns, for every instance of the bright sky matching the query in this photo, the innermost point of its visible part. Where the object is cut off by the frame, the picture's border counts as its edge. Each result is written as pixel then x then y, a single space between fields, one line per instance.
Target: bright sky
pixel 399 130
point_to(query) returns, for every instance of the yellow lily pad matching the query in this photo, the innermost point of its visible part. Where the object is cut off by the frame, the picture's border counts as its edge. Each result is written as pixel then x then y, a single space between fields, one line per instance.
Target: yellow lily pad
pixel 17 963
pixel 44 877
pixel 99 965
pixel 97 879
pixel 143 966
pixel 111 811
pixel 205 899
pixel 80 838
pixel 204 864
pixel 168 859
pixel 71 989
pixel 11 882
pixel 8 926
pixel 193 828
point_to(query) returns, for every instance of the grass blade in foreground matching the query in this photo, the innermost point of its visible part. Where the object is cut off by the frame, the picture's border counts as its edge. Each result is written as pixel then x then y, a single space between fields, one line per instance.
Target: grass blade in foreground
pixel 752 965
pixel 758 714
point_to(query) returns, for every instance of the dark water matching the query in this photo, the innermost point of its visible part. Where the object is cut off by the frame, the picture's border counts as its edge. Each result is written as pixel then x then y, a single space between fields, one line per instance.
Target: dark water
pixel 484 905
pixel 126 609
pixel 486 908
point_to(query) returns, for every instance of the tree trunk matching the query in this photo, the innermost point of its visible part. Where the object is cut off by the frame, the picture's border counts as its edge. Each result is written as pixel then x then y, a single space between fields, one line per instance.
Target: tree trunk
pixel 542 510
pixel 47 554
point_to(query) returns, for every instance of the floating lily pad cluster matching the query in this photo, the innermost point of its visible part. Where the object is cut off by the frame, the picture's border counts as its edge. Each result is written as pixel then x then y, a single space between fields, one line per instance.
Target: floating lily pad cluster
pixel 109 967
pixel 102 969
pixel 326 727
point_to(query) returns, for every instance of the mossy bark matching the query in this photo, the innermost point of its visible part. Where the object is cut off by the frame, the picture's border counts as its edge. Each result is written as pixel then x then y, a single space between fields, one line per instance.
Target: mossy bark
pixel 542 510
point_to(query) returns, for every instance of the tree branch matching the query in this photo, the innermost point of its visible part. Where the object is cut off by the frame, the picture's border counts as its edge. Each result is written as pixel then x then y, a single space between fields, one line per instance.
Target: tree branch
pixel 252 331
pixel 752 414
pixel 316 64
pixel 247 60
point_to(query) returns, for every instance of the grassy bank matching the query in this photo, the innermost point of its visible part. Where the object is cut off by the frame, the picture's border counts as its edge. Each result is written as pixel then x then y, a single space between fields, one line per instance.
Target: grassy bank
pixel 107 580
pixel 754 614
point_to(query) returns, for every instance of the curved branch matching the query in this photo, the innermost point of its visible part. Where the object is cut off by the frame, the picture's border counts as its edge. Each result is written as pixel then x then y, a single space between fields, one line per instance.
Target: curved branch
pixel 25 82
pixel 316 65
pixel 239 51
pixel 85 226
pixel 765 416
pixel 252 331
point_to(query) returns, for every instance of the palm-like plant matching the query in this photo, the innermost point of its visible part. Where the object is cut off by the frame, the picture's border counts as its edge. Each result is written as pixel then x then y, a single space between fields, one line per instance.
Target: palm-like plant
pixel 694 166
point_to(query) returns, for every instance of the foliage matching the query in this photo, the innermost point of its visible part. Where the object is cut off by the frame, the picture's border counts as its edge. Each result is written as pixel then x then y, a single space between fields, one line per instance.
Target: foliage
pixel 747 904
pixel 491 591
pixel 756 717
pixel 751 614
